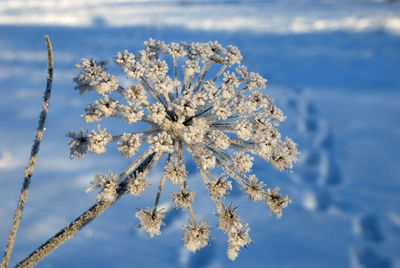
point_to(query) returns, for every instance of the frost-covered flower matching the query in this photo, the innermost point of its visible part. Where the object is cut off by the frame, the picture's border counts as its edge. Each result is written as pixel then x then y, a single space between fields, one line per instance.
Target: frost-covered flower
pixel 242 162
pixel 150 220
pixel 107 184
pixel 128 144
pixel 98 141
pixel 275 202
pixel 78 144
pixel 183 199
pixel 236 240
pixel 218 188
pixel 137 184
pixel 195 235
pixel 175 173
pixel 195 98
pixel 253 189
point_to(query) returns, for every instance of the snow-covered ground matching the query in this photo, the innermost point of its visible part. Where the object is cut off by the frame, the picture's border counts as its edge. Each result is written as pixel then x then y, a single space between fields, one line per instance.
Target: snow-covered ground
pixel 333 67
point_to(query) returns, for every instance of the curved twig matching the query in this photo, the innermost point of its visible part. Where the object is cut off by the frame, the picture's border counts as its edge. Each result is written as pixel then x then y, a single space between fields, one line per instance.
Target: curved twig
pixel 32 160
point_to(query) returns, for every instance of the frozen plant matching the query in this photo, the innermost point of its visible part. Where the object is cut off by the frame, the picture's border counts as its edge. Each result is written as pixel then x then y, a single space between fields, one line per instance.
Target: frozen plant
pixel 32 159
pixel 192 97
pixel 217 112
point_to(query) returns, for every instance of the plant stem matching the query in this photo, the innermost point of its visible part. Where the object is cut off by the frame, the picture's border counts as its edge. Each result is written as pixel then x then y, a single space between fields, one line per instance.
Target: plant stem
pixel 71 229
pixel 32 160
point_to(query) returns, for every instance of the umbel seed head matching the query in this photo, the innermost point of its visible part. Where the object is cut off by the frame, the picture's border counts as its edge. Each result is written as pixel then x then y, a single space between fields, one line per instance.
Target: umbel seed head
pixel 196 98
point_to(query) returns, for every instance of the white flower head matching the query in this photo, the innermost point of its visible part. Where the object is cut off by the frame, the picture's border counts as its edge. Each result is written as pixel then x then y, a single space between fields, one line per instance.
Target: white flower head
pixel 161 143
pixel 134 70
pixel 218 139
pixel 242 162
pixel 253 189
pixel 136 94
pixel 176 50
pixel 124 59
pixel 236 240
pixel 78 144
pixel 92 113
pixel 233 55
pixel 107 106
pixel 244 129
pixel 192 98
pixel 129 144
pixel 107 184
pixel 157 113
pixel 207 160
pixel 191 67
pixel 276 202
pixel 150 220
pixel 176 174
pixel 254 80
pixel 131 114
pixel 229 222
pixel 196 236
pixel 98 140
pixel 137 184
pixel 219 187
pixel 183 199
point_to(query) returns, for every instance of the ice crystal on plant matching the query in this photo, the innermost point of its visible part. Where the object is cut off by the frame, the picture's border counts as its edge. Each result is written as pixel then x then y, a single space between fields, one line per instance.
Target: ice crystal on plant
pixel 195 98
pixel 275 202
pixel 236 240
pixel 136 185
pixel 98 141
pixel 78 143
pixel 196 236
pixel 218 188
pixel 228 221
pixel 183 199
pixel 107 185
pixel 150 220
pixel 176 174
pixel 128 144
pixel 253 189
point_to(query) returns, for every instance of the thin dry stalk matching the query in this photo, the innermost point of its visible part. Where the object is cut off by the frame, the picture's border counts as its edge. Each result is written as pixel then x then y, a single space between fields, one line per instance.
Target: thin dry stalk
pixel 31 164
pixel 71 229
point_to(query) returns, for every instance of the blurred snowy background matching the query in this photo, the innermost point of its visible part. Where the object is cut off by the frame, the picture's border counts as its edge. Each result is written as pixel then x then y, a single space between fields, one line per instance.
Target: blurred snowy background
pixel 332 66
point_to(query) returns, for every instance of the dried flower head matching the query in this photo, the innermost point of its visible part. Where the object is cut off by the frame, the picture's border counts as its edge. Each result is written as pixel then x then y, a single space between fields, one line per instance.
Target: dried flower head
pixel 236 240
pixel 183 199
pixel 196 236
pixel 107 185
pixel 137 184
pixel 211 106
pixel 150 220
pixel 276 202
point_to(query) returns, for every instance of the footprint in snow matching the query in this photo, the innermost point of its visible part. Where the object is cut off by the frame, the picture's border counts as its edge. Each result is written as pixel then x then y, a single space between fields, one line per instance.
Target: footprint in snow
pixel 367 257
pixel 368 227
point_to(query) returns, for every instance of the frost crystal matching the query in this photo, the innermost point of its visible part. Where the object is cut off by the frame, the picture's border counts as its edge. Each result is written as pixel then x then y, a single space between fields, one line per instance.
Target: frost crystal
pixel 186 97
pixel 78 144
pixel 228 221
pixel 129 144
pixel 253 190
pixel 196 236
pixel 176 174
pixel 236 240
pixel 138 185
pixel 183 199
pixel 98 140
pixel 275 202
pixel 242 162
pixel 124 59
pixel 219 188
pixel 108 186
pixel 150 220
